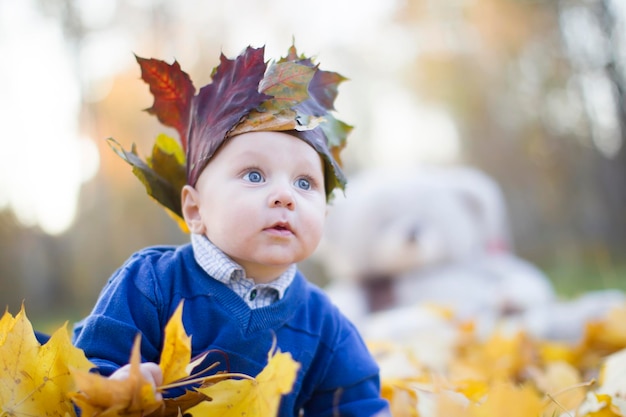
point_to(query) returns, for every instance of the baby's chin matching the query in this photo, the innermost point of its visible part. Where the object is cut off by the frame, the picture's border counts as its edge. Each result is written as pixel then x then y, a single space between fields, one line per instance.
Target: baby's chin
pixel 265 271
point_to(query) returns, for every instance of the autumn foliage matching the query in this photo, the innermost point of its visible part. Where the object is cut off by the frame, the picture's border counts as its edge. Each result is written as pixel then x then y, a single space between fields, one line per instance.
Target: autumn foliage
pixel 35 379
pixel 246 94
pixel 507 373
pixel 511 374
pixel 48 380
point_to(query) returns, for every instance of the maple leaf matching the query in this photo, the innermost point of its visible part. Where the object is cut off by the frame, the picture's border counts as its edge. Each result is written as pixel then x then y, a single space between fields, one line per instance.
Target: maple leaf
pixel 302 97
pixel 562 384
pixel 612 385
pixel 285 119
pixel 603 337
pixel 505 399
pixel 175 407
pixel 222 104
pixel 34 378
pixel 163 174
pixel 243 96
pixel 287 83
pixel 323 88
pixel 176 354
pixel 554 351
pixel 172 90
pixel 135 396
pixel 251 397
pixel 103 397
pixel 500 357
pixel 337 133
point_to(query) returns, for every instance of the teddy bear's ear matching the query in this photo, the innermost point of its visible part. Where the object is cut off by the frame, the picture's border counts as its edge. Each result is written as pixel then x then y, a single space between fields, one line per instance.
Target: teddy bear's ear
pixel 484 200
pixel 474 205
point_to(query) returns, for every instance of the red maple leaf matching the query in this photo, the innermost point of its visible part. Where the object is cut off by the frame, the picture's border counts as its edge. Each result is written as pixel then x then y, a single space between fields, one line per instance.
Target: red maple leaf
pixel 172 90
pixel 222 104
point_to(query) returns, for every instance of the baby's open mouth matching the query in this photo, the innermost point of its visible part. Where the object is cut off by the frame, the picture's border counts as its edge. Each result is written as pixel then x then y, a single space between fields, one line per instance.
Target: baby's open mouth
pixel 281 227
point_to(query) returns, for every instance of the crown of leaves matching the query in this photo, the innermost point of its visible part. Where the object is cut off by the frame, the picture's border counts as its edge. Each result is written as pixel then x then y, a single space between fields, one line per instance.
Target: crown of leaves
pixel 246 95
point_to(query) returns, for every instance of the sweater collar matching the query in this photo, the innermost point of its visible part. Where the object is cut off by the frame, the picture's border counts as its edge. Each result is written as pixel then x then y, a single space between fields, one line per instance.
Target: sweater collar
pixel 218 265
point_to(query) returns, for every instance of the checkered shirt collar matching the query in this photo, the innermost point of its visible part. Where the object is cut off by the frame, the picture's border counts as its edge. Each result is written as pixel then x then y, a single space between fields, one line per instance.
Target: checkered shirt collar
pixel 219 266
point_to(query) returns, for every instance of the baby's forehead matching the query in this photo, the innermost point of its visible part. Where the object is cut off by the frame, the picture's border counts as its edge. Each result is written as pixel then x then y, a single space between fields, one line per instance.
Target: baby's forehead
pixel 264 144
pixel 270 141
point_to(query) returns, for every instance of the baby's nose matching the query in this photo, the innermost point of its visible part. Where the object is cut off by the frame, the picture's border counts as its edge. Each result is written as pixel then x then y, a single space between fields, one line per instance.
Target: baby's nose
pixel 282 197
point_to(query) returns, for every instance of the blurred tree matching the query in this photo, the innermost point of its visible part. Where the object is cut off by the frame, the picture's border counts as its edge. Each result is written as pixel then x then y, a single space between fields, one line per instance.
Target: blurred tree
pixel 535 87
pixel 504 69
pixel 59 277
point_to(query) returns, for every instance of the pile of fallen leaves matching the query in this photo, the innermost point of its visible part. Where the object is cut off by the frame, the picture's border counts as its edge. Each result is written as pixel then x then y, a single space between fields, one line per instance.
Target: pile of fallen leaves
pixel 506 374
pixel 510 374
pixel 51 379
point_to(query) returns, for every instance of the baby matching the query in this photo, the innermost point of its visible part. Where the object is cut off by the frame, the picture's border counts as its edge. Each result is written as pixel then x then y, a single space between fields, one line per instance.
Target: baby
pixel 260 168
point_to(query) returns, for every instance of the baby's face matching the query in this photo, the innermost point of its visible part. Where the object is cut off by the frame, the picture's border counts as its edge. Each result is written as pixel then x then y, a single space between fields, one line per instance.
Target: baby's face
pixel 261 200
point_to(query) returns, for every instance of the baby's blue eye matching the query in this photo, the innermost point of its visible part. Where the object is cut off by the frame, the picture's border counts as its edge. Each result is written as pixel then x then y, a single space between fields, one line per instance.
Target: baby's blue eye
pixel 304 183
pixel 254 176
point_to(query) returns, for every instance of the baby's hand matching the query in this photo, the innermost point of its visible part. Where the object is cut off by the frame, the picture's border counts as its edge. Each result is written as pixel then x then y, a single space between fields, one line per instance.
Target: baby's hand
pixel 149 370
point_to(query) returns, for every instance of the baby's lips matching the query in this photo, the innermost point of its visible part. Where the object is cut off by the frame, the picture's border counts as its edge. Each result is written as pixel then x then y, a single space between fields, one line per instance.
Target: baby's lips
pixel 281 227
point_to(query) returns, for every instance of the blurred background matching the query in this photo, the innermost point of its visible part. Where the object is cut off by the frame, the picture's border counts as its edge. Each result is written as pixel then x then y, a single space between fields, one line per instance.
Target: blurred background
pixel 529 91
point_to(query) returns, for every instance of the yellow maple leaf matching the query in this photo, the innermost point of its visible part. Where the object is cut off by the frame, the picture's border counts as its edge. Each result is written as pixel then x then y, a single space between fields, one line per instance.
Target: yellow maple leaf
pixel 563 386
pixel 555 351
pixel 176 365
pixel 500 357
pixel 251 397
pixel 506 399
pixel 135 396
pixel 614 328
pixel 176 353
pixel 402 402
pixel 473 390
pixel 34 378
pixel 602 337
pixel 103 397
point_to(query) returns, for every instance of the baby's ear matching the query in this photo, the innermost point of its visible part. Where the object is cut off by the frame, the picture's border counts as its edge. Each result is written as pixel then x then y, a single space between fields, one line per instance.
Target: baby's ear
pixel 191 210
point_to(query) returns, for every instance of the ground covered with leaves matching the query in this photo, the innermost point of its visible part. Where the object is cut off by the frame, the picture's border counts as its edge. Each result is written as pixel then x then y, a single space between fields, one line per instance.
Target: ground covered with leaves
pixel 507 373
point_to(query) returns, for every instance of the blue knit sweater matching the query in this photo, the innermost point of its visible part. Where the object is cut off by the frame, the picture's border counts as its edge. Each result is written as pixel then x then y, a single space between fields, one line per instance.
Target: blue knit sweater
pixel 338 376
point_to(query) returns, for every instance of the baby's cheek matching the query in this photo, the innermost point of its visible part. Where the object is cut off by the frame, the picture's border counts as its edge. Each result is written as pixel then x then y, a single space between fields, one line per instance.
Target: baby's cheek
pixel 315 229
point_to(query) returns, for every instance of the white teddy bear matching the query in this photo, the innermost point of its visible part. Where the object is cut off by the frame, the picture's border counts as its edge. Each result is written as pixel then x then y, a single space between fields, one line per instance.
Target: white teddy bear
pixel 402 240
